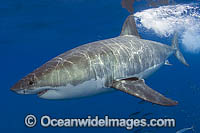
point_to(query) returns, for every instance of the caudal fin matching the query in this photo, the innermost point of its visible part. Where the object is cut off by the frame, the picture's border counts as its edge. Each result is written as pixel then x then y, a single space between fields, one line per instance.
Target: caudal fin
pixel 178 53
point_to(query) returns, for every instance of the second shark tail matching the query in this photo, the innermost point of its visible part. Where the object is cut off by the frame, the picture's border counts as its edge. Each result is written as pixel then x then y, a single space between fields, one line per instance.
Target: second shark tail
pixel 178 53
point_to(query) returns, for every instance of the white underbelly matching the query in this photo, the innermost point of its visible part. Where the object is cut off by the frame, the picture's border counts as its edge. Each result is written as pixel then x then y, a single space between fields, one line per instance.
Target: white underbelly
pixel 87 88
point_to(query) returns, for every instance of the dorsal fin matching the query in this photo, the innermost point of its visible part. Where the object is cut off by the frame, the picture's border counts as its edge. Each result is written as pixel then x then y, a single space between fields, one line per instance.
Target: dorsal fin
pixel 129 27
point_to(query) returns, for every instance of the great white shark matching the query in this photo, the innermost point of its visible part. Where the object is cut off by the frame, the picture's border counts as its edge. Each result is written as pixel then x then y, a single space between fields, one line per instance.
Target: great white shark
pixel 119 63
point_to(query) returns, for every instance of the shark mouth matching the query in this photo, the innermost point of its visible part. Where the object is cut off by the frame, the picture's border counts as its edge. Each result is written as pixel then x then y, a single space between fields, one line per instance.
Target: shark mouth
pixel 42 92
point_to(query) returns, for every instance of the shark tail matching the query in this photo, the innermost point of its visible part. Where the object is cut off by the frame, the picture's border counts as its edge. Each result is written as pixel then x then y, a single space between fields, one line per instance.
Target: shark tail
pixel 178 53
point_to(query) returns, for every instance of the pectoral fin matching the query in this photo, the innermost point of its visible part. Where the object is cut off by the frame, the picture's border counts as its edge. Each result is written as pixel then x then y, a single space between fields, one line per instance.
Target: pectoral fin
pixel 138 88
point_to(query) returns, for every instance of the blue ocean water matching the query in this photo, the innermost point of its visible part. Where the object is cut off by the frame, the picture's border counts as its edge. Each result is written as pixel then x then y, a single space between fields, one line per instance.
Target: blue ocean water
pixel 32 32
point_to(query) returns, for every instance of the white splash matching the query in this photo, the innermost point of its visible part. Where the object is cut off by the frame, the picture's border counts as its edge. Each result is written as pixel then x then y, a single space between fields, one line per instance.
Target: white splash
pixel 165 20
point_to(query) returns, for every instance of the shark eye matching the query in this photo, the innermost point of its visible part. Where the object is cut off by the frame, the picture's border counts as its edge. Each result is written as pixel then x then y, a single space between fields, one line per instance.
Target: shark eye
pixel 30 82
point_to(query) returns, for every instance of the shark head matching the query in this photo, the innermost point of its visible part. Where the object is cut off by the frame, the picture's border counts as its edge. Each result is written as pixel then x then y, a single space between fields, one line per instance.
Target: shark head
pixel 54 81
pixel 30 84
pixel 39 82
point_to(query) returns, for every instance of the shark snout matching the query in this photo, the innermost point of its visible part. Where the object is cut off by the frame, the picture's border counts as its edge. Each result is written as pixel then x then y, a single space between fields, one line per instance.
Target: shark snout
pixel 21 88
pixel 24 86
pixel 18 89
pixel 21 91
